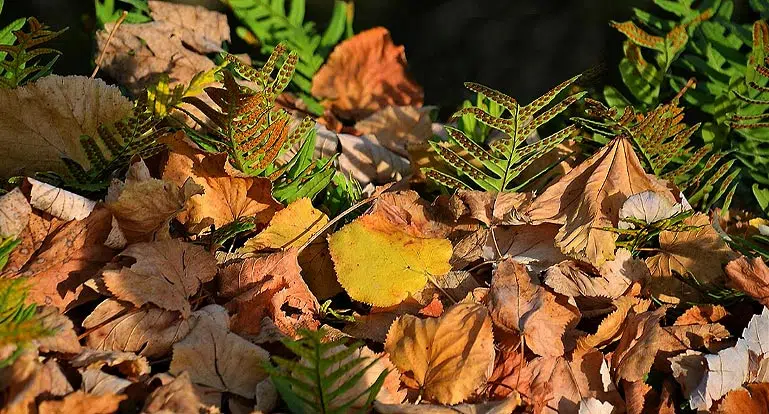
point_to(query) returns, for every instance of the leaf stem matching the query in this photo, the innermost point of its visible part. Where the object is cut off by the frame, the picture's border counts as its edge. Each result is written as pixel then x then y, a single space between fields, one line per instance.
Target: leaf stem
pixel 106 45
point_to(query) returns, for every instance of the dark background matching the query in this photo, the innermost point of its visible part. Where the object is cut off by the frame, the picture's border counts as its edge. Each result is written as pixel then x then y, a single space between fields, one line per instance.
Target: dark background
pixel 521 47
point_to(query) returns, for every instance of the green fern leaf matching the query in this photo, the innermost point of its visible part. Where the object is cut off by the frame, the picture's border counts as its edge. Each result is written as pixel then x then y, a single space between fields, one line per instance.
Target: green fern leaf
pixel 19 323
pixel 108 12
pixel 496 167
pixel 22 60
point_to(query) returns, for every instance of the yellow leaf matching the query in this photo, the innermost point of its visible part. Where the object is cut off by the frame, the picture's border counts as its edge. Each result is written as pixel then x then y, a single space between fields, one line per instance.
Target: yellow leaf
pixel 290 227
pixel 449 357
pixel 380 264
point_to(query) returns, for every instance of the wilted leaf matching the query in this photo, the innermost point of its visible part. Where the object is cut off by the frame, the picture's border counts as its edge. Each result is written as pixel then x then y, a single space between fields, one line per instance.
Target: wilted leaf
pixel 649 207
pixel 492 208
pixel 224 198
pixel 364 74
pixel 379 263
pixel 165 273
pixel 59 203
pixel 42 122
pixel 365 159
pixel 128 363
pixel 290 227
pixel 588 199
pixel 447 357
pixel 396 127
pixel 518 303
pixel 178 396
pixel 218 358
pixel 610 328
pixel 14 213
pixel 701 314
pixel 638 346
pixel 751 277
pixel 81 402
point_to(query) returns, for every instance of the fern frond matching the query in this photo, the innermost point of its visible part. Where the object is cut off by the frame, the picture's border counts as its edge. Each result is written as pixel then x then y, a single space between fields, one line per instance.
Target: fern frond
pixel 19 323
pixel 22 61
pixel 496 167
pixel 108 12
pixel 324 378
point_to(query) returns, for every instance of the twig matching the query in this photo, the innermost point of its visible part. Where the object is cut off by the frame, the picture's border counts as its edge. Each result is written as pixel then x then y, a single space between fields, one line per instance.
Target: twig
pixel 106 45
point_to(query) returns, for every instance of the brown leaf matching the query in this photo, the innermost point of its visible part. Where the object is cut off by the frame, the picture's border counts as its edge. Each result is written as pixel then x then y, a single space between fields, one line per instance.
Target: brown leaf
pixel 268 286
pixel 64 340
pixel 68 257
pixel 505 406
pixel 751 277
pixel 448 357
pixel 364 74
pixel 589 197
pixel 225 198
pixel 396 127
pixel 59 203
pixel 682 254
pixel 754 399
pixel 38 229
pixel 518 303
pixel 174 43
pixel 14 213
pixel 638 346
pixel 527 244
pixel 42 122
pixel 128 363
pixel 702 314
pixel 610 328
pixel 26 379
pixel 593 406
pixel 81 402
pixel 148 331
pixel 408 210
pixel 165 273
pixel 98 382
pixel 178 396
pixel 491 208
pixel 365 159
pixel 218 358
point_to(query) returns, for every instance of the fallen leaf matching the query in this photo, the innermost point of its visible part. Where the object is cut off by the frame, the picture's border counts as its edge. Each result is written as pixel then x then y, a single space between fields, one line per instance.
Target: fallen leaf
pixel 593 406
pixel 638 346
pixel 128 363
pixel 174 43
pixel 753 399
pixel 527 244
pixel 751 277
pixel 268 286
pixel 178 396
pixel 97 382
pixel 588 199
pixel 701 314
pixel 396 127
pixel 165 273
pixel 505 406
pixel 42 122
pixel 649 207
pixel 290 227
pixel 363 74
pixel 81 402
pixel 215 357
pixel 318 269
pixel 224 198
pixel 495 208
pixel 365 159
pixel 64 340
pixel 59 203
pixel 447 357
pixel 379 263
pixel 610 328
pixel 27 378
pixel 518 303
pixel 14 213
pixel 409 211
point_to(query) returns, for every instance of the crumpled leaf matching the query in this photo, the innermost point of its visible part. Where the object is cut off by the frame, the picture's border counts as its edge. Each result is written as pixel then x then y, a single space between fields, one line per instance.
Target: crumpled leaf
pixel 447 357
pixel 165 273
pixel 81 402
pixel 366 160
pixel 363 74
pixel 14 213
pixel 610 328
pixel 638 346
pixel 518 303
pixel 128 363
pixel 224 198
pixel 505 406
pixel 59 203
pixel 69 256
pixel 147 331
pixel 42 122
pixel 215 357
pixel 178 396
pixel 268 287
pixel 380 263
pixel 649 207
pixel 397 127
pixel 588 199
pixel 290 227
pixel 174 43
pixel 751 277
pixel 27 378
pixel 702 314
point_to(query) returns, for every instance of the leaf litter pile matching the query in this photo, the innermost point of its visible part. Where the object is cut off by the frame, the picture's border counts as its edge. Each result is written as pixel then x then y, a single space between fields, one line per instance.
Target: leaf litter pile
pixel 299 235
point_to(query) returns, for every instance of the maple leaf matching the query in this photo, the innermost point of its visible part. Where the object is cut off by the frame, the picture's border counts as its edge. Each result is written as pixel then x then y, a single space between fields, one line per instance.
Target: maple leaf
pixel 165 273
pixel 588 198
pixel 218 358
pixel 379 263
pixel 82 402
pixel 365 159
pixel 14 213
pixel 56 112
pixel 518 303
pixel 751 277
pixel 290 227
pixel 174 43
pixel 363 74
pixel 59 203
pixel 448 357
pixel 397 127
pixel 224 198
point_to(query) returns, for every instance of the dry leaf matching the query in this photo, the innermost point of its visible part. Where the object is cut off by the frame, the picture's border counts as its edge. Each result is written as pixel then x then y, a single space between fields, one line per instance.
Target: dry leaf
pixel 701 314
pixel 363 74
pixel 128 363
pixel 753 399
pixel 588 199
pixel 68 257
pixel 638 346
pixel 751 277
pixel 649 207
pixel 174 43
pixel 42 122
pixel 148 331
pixel 379 263
pixel 224 198
pixel 407 210
pixel 14 213
pixel 83 403
pixel 527 244
pixel 267 286
pixel 610 328
pixel 59 203
pixel 447 357
pixel 165 273
pixel 98 382
pixel 64 340
pixel 178 396
pixel 505 406
pixel 495 208
pixel 397 127
pixel 290 227
pixel 318 269
pixel 215 357
pixel 593 406
pixel 518 303
pixel 365 159
pixel 26 379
